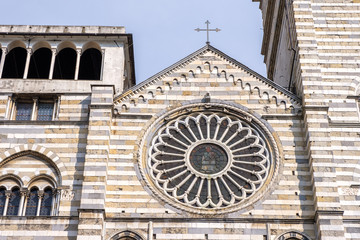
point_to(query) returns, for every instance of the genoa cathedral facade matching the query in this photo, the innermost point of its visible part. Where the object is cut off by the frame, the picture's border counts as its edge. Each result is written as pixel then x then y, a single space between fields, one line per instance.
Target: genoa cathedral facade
pixel 205 149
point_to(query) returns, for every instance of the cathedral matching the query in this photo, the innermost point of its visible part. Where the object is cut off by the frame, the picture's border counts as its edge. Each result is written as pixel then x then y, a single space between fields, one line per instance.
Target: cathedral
pixel 206 149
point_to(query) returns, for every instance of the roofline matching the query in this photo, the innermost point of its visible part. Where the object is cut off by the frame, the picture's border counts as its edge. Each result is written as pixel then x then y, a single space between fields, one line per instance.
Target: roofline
pixel 128 36
pixel 65 34
pixel 159 74
pixel 258 75
pixel 194 54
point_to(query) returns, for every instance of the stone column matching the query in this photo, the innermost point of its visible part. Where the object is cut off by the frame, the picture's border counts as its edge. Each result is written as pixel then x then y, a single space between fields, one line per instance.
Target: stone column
pixel 34 109
pixel 150 230
pixel 52 64
pixel 8 108
pixel 25 204
pixel 12 108
pixel 23 193
pixel 28 56
pixel 2 61
pixel 8 195
pixel 41 195
pixel 92 206
pixel 102 64
pixel 53 202
pixel 78 56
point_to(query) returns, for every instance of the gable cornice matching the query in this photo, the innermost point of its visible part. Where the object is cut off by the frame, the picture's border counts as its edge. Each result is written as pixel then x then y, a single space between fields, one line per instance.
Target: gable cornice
pixel 185 61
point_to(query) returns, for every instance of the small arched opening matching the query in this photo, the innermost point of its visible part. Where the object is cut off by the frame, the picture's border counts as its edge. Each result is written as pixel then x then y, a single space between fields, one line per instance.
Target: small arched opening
pixel 40 62
pixel 293 235
pixel 90 64
pixel 32 202
pixel 126 235
pixel 14 202
pixel 1 53
pixel 14 65
pixel 46 203
pixel 2 200
pixel 65 64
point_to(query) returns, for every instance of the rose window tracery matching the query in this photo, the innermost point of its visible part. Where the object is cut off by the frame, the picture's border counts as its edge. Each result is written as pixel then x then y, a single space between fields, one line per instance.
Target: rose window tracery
pixel 208 160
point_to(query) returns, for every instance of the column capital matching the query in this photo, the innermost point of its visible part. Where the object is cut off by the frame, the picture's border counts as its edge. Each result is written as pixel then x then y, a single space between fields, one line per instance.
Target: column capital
pixel 4 50
pixel 29 50
pixel 56 191
pixel 24 192
pixel 8 193
pixel 78 51
pixel 41 194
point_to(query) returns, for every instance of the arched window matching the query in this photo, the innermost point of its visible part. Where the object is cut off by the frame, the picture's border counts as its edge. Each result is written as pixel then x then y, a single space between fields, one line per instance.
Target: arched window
pixel 1 53
pixel 90 64
pixel 14 65
pixel 40 63
pixel 126 235
pixel 293 235
pixel 14 202
pixel 46 203
pixel 65 63
pixel 32 202
pixel 2 200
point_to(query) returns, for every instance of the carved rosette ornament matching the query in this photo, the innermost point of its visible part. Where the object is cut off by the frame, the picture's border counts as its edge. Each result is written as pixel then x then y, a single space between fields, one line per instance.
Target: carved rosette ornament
pixel 209 161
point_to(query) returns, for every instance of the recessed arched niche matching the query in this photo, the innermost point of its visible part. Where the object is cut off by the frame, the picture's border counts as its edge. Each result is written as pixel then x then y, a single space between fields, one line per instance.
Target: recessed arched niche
pixel 90 62
pixel 40 61
pixel 65 61
pixel 15 60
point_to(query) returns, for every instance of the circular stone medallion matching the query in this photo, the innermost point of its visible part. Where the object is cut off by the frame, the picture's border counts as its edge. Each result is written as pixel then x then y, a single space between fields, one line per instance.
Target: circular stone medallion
pixel 208 158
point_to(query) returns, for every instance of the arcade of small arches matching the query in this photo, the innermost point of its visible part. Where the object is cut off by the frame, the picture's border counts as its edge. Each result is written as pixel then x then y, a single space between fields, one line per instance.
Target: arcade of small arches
pixel 43 61
pixel 25 192
pixel 19 201
pixel 38 199
pixel 289 235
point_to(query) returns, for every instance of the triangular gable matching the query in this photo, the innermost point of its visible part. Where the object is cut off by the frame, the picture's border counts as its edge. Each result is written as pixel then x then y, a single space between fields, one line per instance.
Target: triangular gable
pixel 202 51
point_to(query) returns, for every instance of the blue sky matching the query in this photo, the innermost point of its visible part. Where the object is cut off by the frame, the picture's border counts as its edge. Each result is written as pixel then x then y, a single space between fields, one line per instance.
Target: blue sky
pixel 163 30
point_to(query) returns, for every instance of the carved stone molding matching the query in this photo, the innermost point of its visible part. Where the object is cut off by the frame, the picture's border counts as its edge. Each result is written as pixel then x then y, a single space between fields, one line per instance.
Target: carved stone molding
pixel 208 161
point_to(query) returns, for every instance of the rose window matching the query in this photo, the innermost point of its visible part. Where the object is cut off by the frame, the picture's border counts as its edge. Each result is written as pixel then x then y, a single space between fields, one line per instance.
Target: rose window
pixel 209 160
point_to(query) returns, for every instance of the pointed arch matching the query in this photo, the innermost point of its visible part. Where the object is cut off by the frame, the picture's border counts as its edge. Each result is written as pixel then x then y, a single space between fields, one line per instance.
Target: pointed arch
pixel 127 235
pixel 293 234
pixel 13 179
pixel 39 151
pixel 47 181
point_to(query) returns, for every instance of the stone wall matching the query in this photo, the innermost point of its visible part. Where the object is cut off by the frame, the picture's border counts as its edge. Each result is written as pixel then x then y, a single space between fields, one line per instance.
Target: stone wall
pixel 326 69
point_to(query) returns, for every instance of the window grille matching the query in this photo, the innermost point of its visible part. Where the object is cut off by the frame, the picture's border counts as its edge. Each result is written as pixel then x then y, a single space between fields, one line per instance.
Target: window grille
pixel 2 200
pixel 32 203
pixel 23 111
pixel 45 111
pixel 14 201
pixel 46 203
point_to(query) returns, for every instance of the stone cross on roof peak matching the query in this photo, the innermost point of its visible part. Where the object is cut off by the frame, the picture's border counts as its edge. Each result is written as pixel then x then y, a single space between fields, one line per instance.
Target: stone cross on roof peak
pixel 208 30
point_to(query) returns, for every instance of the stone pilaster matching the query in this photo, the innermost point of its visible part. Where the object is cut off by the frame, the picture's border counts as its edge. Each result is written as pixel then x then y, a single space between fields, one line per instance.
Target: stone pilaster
pixel 328 211
pixel 92 208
